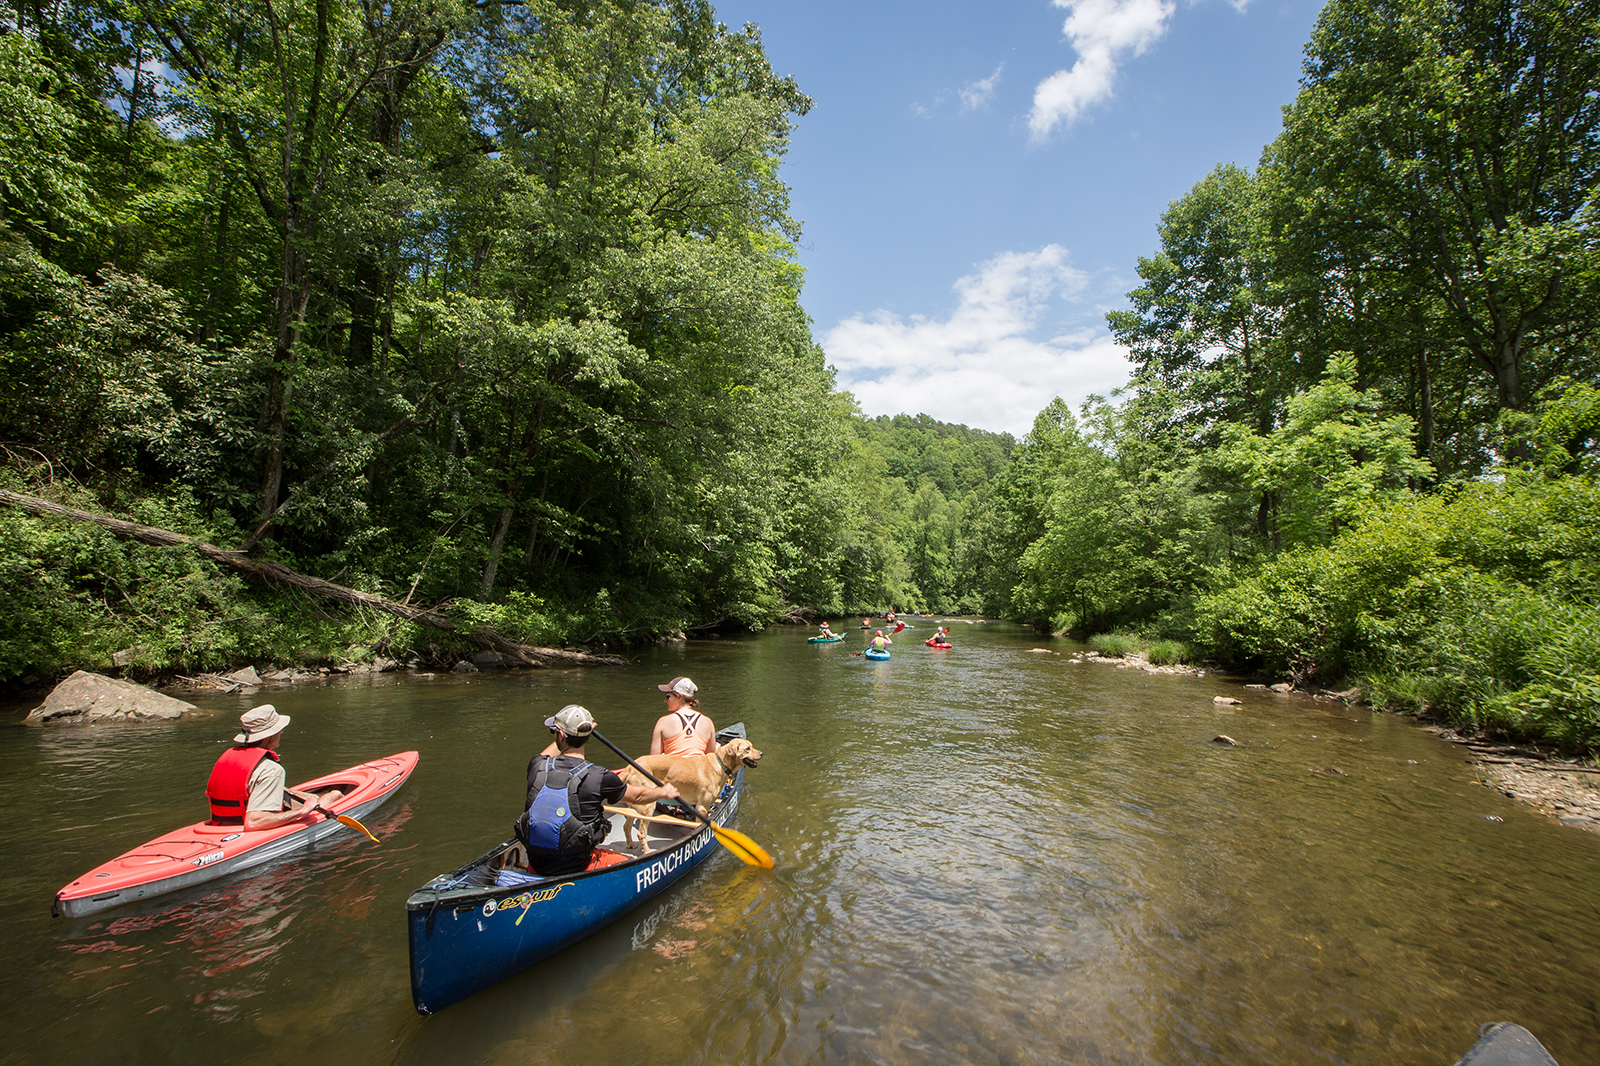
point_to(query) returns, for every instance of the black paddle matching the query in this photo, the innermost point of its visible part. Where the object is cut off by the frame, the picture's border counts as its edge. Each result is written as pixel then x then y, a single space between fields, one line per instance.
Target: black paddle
pixel 748 850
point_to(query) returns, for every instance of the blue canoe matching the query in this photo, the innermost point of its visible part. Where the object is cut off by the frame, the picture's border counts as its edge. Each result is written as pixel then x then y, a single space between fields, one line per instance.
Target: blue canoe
pixel 875 653
pixel 481 924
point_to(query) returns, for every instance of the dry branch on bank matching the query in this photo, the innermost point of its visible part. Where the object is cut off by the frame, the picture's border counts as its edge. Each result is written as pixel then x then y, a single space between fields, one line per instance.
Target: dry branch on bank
pixel 266 570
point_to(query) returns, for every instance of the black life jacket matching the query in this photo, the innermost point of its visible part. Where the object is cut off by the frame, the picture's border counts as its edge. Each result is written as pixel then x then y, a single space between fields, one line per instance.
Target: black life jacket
pixel 551 820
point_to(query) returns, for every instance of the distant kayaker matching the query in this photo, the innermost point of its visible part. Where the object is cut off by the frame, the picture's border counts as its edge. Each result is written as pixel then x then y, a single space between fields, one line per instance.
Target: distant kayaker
pixel 827 634
pixel 880 641
pixel 565 820
pixel 247 784
pixel 683 730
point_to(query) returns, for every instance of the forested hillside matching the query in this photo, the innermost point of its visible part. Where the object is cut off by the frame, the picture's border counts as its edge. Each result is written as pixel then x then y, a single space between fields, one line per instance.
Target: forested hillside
pixel 486 306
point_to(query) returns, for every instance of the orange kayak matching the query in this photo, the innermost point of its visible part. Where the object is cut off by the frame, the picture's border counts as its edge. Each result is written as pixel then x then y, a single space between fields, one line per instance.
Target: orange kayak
pixel 201 852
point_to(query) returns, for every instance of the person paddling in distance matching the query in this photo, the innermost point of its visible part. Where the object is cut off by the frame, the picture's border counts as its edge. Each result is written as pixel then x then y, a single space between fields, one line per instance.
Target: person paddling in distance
pixel 564 820
pixel 826 634
pixel 880 641
pixel 683 730
pixel 246 787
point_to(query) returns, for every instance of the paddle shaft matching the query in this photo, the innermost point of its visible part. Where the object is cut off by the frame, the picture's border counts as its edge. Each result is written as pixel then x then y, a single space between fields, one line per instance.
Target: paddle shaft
pixel 342 819
pixel 648 776
pixel 631 813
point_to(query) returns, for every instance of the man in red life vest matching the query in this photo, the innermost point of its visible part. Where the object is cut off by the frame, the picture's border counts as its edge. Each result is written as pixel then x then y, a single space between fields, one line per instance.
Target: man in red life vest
pixel 247 784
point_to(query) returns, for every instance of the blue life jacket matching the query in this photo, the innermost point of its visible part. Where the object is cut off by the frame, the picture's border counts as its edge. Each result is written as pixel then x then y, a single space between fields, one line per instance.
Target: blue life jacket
pixel 551 820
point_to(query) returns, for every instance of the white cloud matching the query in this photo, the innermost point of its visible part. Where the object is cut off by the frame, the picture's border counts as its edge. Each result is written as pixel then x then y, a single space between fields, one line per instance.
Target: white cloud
pixel 978 93
pixel 1103 32
pixel 980 366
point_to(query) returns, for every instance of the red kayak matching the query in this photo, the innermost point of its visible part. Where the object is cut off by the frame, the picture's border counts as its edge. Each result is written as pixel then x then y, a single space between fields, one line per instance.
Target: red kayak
pixel 203 851
pixel 933 643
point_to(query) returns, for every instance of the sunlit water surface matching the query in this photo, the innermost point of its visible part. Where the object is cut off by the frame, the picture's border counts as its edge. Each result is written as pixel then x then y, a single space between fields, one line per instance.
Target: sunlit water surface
pixel 986 855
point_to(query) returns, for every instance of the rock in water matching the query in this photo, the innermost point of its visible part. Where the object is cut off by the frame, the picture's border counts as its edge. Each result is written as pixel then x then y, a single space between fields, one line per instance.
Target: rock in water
pixel 247 677
pixel 86 697
pixel 1225 740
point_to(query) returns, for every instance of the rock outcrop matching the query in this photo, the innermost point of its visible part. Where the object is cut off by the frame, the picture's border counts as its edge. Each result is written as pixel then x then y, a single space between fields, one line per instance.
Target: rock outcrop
pixel 86 697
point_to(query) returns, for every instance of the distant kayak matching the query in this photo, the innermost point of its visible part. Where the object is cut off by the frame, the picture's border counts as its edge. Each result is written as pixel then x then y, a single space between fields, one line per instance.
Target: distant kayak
pixel 874 653
pixel 202 852
pixel 936 644
pixel 824 640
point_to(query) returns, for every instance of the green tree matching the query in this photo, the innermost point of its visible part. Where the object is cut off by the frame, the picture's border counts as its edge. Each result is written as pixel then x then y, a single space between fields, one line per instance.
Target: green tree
pixel 1333 458
pixel 1440 164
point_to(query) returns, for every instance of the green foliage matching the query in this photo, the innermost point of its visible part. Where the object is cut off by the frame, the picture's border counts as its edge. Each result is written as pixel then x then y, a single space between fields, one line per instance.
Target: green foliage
pixel 1115 645
pixel 1478 605
pixel 43 188
pixel 1332 458
pixel 77 596
pixel 1169 653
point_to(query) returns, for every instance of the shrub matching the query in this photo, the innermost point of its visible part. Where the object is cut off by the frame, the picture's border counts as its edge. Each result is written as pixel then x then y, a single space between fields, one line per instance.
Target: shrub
pixel 1477 605
pixel 1169 652
pixel 1114 645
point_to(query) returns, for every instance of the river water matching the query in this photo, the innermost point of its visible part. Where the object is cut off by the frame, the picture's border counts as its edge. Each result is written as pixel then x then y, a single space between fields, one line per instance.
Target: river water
pixel 986 855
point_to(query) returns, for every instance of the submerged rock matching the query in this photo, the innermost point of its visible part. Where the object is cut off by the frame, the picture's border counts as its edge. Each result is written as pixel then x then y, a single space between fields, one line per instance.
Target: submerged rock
pixel 86 697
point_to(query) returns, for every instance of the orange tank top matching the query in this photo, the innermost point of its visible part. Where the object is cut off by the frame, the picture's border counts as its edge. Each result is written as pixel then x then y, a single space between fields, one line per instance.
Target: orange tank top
pixel 687 742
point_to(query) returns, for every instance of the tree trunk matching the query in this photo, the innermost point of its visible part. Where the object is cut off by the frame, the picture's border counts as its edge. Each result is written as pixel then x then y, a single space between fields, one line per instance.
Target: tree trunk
pixel 1424 406
pixel 496 546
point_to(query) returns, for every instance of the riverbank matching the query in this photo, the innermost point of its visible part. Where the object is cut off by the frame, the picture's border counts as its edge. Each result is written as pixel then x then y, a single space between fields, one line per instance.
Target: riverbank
pixel 1565 790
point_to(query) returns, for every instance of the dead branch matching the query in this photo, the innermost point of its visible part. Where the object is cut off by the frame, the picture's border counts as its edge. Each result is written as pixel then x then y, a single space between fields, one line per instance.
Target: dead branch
pixel 266 570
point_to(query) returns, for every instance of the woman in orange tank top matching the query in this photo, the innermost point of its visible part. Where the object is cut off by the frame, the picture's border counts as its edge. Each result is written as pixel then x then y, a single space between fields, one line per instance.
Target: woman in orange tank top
pixel 683 730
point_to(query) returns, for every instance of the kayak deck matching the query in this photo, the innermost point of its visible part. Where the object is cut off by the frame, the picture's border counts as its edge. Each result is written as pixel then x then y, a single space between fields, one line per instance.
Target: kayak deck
pixel 202 851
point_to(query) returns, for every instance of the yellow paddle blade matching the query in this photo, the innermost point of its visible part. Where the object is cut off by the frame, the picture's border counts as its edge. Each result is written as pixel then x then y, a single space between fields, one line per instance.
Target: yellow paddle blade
pixel 751 853
pixel 345 819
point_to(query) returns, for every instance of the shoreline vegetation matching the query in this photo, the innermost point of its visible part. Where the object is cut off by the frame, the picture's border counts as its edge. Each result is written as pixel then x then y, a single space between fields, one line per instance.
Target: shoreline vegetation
pixel 493 314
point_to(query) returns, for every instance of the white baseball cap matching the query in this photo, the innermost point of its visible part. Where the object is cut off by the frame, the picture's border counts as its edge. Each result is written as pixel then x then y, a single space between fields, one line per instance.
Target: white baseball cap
pixel 680 686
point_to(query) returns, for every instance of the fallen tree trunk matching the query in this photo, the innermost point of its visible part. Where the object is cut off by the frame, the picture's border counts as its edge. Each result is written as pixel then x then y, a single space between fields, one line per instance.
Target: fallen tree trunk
pixel 266 570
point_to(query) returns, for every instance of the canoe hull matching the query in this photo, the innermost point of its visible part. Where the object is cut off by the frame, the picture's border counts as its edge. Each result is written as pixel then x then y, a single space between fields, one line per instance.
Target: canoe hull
pixel 199 853
pixel 874 653
pixel 466 936
pixel 823 640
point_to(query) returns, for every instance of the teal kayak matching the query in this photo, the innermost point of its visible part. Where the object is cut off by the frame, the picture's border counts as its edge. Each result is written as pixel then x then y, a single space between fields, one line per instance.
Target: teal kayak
pixel 874 653
pixel 824 640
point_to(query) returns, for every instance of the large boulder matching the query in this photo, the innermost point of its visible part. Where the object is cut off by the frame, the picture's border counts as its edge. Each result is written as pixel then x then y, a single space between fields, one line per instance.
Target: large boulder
pixel 86 697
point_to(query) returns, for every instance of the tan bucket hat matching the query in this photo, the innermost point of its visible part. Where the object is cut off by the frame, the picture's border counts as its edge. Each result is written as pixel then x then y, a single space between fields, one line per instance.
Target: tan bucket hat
pixel 260 723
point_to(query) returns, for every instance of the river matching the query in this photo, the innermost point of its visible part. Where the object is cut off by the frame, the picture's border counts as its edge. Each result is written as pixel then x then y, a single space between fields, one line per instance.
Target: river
pixel 987 855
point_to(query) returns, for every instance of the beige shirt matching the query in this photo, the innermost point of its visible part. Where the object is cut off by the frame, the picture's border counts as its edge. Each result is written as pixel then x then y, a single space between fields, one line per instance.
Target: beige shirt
pixel 266 786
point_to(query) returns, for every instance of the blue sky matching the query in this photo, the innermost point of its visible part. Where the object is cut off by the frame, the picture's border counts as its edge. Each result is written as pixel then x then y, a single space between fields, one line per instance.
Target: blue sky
pixel 978 181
